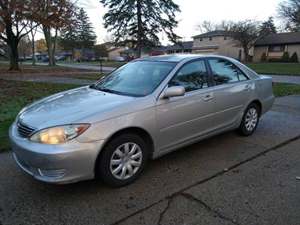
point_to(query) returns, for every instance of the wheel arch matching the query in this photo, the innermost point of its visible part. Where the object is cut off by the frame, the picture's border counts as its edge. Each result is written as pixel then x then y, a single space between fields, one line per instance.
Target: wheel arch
pixel 258 103
pixel 135 130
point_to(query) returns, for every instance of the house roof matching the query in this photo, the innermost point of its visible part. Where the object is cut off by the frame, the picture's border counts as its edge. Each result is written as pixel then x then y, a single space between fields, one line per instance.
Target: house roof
pixel 277 39
pixel 115 48
pixel 213 34
pixel 186 45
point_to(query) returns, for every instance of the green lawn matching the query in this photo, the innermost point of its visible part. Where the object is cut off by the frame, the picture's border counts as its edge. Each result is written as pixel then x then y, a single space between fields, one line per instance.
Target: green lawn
pixel 14 95
pixel 281 89
pixel 276 68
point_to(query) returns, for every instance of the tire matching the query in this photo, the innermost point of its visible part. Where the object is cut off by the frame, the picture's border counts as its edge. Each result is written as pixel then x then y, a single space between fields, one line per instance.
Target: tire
pixel 126 152
pixel 250 120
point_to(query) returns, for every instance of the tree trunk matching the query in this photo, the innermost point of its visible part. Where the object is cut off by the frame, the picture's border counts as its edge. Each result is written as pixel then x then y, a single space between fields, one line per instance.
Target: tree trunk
pixel 48 38
pixel 54 39
pixel 246 53
pixel 33 47
pixel 12 42
pixel 140 31
pixel 13 55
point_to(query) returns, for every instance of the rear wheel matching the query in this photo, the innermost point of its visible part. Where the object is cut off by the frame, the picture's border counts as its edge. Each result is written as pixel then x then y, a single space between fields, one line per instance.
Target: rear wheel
pixel 123 160
pixel 250 120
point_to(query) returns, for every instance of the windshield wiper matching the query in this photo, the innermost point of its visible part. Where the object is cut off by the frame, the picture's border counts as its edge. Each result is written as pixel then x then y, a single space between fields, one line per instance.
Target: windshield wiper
pixel 93 86
pixel 107 90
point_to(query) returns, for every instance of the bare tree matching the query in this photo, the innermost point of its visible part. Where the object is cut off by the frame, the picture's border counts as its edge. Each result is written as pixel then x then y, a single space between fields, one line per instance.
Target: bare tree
pixel 33 30
pixel 54 15
pixel 14 18
pixel 289 11
pixel 24 47
pixel 208 26
pixel 246 32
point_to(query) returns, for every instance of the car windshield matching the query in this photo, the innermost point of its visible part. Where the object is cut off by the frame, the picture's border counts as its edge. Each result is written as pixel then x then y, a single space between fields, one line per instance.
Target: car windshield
pixel 138 78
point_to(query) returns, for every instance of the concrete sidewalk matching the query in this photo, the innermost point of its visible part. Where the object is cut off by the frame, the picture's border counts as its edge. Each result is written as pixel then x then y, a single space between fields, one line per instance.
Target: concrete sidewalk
pixel 286 79
pixel 226 179
pixel 105 69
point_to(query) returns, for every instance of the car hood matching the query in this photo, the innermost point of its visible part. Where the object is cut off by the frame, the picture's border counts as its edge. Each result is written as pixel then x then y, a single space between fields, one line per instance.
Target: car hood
pixel 73 106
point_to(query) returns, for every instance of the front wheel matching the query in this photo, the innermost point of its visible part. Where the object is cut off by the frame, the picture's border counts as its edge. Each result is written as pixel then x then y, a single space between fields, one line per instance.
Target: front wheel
pixel 250 120
pixel 122 160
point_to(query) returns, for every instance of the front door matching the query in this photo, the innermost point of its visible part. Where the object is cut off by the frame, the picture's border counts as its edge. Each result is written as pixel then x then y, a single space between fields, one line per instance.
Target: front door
pixel 183 118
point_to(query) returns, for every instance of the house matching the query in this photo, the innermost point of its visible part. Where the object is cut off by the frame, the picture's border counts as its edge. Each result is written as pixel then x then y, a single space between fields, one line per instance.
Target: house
pixel 115 52
pixel 84 54
pixel 185 47
pixel 218 42
pixel 273 46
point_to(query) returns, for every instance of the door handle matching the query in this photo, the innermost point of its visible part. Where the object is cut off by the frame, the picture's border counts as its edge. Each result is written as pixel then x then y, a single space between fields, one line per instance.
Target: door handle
pixel 207 97
pixel 247 87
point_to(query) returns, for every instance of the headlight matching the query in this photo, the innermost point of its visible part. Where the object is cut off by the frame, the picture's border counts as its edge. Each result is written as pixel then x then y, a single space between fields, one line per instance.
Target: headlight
pixel 59 135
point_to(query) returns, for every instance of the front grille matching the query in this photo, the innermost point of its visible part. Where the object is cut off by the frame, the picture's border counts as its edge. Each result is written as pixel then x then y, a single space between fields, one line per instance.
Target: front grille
pixel 24 130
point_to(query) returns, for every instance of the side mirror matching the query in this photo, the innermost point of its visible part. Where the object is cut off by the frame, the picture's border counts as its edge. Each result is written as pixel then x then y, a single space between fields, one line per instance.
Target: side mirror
pixel 175 91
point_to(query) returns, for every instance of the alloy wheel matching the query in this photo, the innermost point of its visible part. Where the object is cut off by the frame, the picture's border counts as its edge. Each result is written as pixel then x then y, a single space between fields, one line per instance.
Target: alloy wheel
pixel 126 160
pixel 251 119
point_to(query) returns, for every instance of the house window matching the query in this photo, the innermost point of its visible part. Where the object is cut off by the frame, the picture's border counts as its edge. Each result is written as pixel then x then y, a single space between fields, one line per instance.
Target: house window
pixel 276 48
pixel 210 38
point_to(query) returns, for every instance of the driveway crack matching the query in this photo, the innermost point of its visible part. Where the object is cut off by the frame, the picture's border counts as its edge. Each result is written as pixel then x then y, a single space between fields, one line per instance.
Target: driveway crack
pixel 161 215
pixel 208 208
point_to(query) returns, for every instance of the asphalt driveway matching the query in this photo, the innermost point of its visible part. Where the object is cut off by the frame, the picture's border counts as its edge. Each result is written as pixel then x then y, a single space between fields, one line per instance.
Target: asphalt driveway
pixel 227 179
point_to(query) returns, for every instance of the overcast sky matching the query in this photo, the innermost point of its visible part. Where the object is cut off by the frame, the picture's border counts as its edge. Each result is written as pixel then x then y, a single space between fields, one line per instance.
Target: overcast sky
pixel 193 12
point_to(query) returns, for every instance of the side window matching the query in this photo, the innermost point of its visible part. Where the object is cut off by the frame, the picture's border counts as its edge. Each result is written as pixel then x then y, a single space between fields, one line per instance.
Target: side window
pixel 225 72
pixel 192 76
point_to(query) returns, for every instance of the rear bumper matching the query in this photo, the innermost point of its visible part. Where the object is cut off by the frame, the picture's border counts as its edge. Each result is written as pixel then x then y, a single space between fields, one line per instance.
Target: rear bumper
pixel 267 104
pixel 66 163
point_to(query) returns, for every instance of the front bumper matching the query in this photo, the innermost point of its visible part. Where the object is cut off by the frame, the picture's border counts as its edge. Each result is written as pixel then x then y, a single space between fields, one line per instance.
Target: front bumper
pixel 65 163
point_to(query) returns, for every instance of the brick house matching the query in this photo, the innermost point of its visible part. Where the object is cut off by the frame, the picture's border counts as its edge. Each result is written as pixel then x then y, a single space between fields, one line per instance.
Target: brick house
pixel 218 42
pixel 274 46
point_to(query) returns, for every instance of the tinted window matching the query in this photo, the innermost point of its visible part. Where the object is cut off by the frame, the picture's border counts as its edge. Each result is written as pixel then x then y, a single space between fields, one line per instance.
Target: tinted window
pixel 225 72
pixel 137 78
pixel 192 76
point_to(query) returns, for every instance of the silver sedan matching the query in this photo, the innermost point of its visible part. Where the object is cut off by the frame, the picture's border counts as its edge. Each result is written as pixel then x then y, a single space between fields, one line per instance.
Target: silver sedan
pixel 141 111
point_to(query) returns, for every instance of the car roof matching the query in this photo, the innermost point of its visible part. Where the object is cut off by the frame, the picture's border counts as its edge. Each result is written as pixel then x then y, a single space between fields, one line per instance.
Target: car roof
pixel 176 58
pixel 187 57
pixel 168 58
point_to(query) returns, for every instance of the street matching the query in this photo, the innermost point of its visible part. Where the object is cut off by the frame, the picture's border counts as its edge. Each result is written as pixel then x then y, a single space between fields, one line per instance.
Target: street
pixel 227 179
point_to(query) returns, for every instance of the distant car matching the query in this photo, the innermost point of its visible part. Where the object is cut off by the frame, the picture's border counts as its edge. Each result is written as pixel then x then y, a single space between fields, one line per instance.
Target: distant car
pixel 119 59
pixel 144 109
pixel 45 59
pixel 61 58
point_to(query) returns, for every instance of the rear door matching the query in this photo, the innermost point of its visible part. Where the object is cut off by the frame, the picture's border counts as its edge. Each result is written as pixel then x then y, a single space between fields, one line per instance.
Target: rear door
pixel 182 118
pixel 232 91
